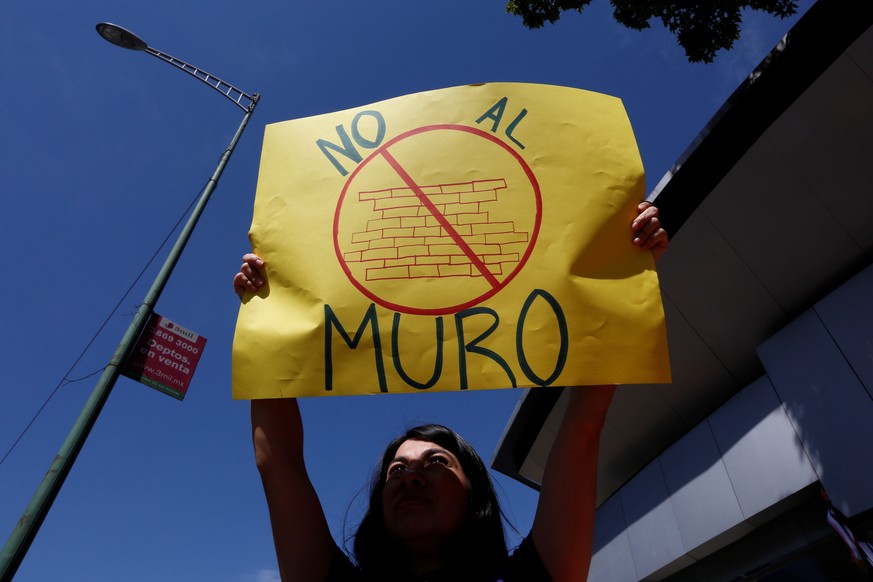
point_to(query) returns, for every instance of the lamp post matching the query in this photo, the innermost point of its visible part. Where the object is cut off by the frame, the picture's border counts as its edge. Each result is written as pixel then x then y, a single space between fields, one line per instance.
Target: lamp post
pixel 25 531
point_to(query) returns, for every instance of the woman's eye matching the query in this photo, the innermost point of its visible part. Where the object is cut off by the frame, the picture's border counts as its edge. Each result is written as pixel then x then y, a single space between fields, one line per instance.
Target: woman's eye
pixel 438 459
pixel 396 469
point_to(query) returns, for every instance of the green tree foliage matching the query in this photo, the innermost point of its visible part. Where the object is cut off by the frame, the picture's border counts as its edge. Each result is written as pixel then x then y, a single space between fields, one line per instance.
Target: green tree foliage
pixel 702 27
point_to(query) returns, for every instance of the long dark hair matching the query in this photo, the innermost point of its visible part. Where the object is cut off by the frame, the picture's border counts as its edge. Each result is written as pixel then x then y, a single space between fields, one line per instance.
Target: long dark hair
pixel 479 546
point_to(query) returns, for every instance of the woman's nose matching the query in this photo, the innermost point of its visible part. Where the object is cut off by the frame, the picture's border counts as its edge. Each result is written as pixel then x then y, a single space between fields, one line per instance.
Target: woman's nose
pixel 412 478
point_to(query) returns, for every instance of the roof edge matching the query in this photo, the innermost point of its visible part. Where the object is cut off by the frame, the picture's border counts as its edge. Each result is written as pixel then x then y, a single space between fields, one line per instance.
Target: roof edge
pixel 818 39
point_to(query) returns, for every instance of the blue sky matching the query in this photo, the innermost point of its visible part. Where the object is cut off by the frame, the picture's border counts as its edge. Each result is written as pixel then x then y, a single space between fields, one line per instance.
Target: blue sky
pixel 104 149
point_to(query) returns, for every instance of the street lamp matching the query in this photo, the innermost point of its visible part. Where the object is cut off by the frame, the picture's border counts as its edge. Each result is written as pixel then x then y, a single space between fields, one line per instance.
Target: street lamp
pixel 25 531
pixel 125 39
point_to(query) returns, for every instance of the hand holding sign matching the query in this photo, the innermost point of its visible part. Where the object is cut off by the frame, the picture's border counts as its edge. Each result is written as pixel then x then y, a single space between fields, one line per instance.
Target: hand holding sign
pixel 648 233
pixel 249 278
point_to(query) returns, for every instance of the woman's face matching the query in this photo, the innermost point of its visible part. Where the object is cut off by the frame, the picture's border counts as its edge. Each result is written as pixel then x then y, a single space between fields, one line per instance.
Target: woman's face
pixel 425 494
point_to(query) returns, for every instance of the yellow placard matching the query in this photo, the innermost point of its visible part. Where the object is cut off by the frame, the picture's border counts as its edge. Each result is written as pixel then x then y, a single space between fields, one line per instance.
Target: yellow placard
pixel 466 238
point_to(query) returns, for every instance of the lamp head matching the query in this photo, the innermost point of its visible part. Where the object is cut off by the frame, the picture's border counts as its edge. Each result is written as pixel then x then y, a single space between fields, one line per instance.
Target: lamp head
pixel 121 36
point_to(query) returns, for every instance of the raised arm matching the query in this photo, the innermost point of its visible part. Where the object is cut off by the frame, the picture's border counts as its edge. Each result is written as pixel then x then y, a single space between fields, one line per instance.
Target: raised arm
pixel 563 530
pixel 303 543
pixel 300 533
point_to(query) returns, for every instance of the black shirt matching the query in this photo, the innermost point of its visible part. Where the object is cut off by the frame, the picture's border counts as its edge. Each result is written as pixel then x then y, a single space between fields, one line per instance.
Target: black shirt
pixel 522 565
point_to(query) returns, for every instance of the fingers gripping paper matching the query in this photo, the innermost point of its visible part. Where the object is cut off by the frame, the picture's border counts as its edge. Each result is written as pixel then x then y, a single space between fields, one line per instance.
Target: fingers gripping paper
pixel 467 238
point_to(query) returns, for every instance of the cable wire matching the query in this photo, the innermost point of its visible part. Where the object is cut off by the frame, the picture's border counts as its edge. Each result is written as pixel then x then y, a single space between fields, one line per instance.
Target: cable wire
pixel 66 380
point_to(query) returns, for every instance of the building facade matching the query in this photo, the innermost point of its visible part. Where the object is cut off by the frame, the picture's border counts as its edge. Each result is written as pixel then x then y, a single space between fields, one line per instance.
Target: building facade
pixel 768 293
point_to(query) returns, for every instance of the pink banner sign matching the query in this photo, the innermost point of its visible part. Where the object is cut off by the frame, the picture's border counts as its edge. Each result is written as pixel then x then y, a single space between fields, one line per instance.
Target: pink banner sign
pixel 165 356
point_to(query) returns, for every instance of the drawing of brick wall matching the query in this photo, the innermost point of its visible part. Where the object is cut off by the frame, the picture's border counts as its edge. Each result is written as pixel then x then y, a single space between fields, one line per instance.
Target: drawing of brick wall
pixel 406 241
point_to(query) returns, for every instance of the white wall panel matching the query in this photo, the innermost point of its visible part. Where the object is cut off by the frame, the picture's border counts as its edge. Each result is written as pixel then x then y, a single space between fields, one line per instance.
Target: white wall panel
pixel 701 494
pixel 652 529
pixel 831 411
pixel 848 315
pixel 612 560
pixel 765 460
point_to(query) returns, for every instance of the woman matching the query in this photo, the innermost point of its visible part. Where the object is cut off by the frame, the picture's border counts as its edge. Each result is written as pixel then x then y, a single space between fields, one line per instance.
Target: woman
pixel 432 497
pixel 433 514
